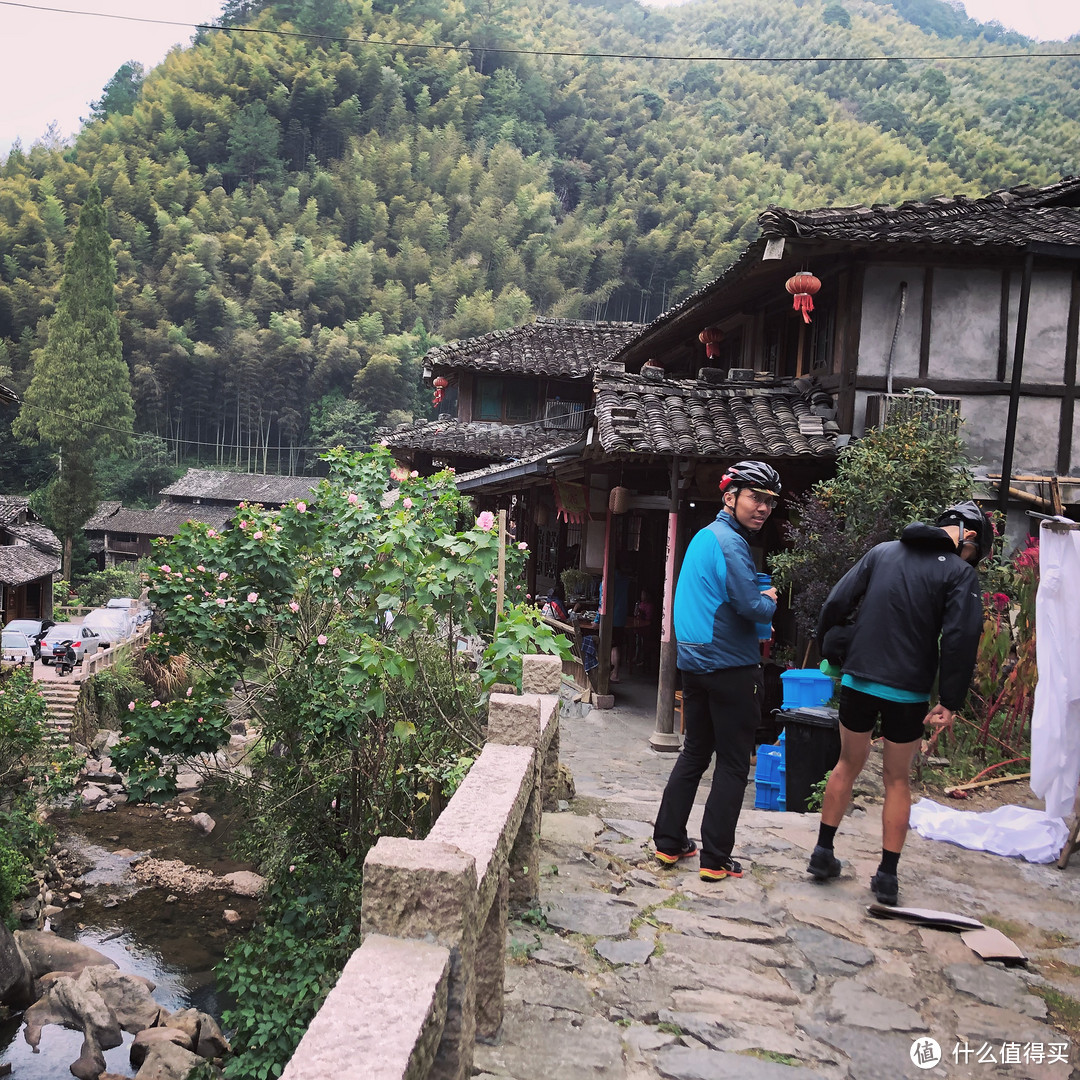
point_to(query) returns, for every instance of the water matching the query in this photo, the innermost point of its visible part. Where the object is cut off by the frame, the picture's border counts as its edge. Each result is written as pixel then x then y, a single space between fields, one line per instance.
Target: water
pixel 175 945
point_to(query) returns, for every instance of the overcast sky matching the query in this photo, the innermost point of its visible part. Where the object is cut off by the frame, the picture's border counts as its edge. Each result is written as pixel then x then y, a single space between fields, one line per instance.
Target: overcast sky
pixel 55 64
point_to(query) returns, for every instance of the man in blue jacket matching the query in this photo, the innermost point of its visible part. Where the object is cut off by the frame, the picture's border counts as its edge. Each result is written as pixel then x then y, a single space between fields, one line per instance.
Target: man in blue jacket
pixel 908 593
pixel 717 607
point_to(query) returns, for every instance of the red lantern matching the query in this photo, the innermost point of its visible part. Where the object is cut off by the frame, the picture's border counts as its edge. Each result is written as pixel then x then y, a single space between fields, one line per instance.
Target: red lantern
pixel 803 286
pixel 440 385
pixel 711 337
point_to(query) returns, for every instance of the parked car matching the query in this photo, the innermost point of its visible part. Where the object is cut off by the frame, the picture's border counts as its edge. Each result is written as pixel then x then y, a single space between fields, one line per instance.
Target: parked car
pixel 17 647
pixel 140 612
pixel 34 629
pixel 111 624
pixel 84 640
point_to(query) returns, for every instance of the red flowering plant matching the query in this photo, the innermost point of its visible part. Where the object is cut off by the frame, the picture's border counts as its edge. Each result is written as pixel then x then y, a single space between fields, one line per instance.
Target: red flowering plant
pixel 1003 686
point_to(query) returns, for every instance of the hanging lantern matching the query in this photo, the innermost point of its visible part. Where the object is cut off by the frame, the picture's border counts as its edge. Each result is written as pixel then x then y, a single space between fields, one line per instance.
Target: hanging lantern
pixel 803 287
pixel 440 385
pixel 711 337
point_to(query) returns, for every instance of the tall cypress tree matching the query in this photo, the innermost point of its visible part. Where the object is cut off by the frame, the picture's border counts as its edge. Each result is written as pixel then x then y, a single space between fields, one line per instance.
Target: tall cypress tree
pixel 79 397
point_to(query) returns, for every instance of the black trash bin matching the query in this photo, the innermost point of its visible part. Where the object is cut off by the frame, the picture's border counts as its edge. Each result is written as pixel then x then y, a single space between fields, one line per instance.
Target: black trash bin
pixel 813 748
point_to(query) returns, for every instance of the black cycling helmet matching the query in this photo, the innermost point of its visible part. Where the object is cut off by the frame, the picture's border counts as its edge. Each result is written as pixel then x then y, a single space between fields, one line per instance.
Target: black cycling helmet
pixel 752 474
pixel 968 516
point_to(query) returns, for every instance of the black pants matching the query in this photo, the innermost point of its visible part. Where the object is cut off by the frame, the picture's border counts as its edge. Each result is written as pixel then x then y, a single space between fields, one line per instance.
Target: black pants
pixel 721 710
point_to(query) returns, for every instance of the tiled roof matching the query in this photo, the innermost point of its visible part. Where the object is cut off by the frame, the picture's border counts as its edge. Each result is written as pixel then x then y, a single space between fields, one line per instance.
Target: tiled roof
pixel 164 520
pixel 648 414
pixel 1010 218
pixel 240 487
pixel 104 511
pixel 493 442
pixel 11 507
pixel 554 347
pixel 20 563
pixel 1013 217
pixel 19 521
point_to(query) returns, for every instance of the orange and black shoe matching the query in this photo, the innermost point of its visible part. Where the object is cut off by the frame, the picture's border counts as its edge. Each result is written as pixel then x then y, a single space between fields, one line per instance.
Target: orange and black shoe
pixel 689 849
pixel 728 868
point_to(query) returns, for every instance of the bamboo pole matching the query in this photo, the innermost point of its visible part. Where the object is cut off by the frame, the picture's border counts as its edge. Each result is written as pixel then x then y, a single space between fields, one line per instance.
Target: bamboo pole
pixel 500 585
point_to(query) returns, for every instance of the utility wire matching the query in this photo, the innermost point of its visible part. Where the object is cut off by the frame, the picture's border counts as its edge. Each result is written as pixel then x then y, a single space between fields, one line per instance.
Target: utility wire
pixel 176 441
pixel 570 53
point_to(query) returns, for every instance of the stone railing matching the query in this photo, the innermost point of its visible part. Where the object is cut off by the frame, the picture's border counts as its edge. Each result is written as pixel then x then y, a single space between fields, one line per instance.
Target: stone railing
pixel 104 658
pixel 428 978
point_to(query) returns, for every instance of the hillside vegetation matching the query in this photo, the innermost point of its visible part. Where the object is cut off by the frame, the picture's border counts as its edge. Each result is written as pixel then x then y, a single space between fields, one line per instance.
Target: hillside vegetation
pixel 296 219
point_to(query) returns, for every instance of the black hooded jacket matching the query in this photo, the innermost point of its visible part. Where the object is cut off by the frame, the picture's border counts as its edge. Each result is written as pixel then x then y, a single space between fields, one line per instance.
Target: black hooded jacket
pixel 909 593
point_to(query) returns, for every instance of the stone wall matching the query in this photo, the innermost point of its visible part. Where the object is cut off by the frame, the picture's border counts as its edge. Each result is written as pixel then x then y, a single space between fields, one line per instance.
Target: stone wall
pixel 428 977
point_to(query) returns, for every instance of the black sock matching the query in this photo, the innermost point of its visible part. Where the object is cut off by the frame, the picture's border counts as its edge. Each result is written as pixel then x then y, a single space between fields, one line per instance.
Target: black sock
pixel 826 835
pixel 889 861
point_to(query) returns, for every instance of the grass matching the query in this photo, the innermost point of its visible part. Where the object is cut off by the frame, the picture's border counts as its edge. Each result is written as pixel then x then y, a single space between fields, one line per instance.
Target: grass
pixel 1064 1010
pixel 1031 936
pixel 771 1055
pixel 669 1029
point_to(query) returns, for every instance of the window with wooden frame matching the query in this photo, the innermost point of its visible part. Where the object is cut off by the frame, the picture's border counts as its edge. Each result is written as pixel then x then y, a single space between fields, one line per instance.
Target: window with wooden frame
pixel 505 401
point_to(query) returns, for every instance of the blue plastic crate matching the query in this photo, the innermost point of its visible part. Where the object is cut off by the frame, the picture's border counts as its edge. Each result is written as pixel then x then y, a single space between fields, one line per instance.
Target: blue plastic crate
pixel 805 687
pixel 769 790
pixel 767 796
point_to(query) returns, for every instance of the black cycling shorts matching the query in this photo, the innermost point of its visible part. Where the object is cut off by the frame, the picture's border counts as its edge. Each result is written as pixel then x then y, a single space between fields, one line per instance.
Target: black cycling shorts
pixel 901 722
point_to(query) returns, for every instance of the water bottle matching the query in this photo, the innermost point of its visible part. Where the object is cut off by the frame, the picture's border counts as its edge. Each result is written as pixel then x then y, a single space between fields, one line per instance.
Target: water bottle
pixel 764 629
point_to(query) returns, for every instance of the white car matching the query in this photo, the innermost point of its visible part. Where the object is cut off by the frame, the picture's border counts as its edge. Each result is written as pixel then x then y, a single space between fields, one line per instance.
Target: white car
pixel 112 625
pixel 84 640
pixel 138 611
pixel 17 647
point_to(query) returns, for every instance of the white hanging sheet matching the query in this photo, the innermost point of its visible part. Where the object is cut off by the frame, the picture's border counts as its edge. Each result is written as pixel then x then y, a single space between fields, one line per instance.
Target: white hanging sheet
pixel 1055 721
pixel 1009 830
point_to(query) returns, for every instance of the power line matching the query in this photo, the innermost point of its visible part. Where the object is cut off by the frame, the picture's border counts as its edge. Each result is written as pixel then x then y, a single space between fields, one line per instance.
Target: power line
pixel 567 53
pixel 177 441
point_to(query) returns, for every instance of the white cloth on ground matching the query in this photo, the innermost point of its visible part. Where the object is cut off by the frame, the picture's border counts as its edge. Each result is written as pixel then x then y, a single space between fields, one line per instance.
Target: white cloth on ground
pixel 1009 830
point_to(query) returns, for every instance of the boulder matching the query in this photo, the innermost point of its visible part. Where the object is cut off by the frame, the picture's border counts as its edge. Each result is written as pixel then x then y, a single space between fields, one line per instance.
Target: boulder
pixel 202 1029
pixel 47 951
pixel 152 1037
pixel 74 1004
pixel 126 997
pixel 204 822
pixel 92 795
pixel 16 975
pixel 243 883
pixel 166 1061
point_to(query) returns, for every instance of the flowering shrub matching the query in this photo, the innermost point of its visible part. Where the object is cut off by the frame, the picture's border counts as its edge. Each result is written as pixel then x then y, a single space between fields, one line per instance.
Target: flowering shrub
pixel 335 622
pixel 1003 686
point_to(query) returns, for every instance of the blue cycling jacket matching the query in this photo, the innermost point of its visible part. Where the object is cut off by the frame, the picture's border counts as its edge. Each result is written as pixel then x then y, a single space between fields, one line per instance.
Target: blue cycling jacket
pixel 717 601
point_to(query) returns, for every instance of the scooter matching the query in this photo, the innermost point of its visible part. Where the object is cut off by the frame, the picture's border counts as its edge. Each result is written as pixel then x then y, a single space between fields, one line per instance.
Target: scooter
pixel 64 657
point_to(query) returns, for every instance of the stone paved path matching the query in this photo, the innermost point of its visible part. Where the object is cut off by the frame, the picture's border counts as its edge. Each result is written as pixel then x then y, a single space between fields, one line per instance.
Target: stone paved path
pixel 630 971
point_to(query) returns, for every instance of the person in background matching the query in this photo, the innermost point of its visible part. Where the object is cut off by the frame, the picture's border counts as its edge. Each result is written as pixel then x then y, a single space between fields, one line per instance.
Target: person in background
pixel 908 594
pixel 717 607
pixel 555 607
pixel 620 608
pixel 644 612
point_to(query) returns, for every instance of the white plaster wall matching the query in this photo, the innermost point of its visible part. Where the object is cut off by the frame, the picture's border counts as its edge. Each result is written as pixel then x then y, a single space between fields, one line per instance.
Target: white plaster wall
pixel 881 302
pixel 966 313
pixel 1035 448
pixel 1048 313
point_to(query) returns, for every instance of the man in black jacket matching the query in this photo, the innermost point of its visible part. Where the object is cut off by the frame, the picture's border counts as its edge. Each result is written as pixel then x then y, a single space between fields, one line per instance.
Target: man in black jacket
pixel 908 594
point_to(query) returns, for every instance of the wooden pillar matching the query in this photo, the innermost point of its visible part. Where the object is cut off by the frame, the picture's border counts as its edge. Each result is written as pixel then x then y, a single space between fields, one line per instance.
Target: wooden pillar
pixel 607 597
pixel 1014 387
pixel 664 737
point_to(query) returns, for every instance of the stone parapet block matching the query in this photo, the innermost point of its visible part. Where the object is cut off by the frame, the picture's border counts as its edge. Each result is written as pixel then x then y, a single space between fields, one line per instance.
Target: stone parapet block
pixel 484 816
pixel 413 888
pixel 514 719
pixel 383 1019
pixel 541 674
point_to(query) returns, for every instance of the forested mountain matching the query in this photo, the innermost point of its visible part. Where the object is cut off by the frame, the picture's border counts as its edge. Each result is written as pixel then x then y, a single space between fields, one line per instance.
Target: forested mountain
pixel 301 207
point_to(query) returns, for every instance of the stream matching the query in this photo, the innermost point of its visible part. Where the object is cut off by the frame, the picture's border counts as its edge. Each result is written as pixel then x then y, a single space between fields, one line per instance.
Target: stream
pixel 173 939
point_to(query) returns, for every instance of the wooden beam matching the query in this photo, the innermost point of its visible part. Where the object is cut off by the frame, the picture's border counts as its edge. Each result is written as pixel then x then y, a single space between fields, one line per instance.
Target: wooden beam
pixel 1068 403
pixel 927 316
